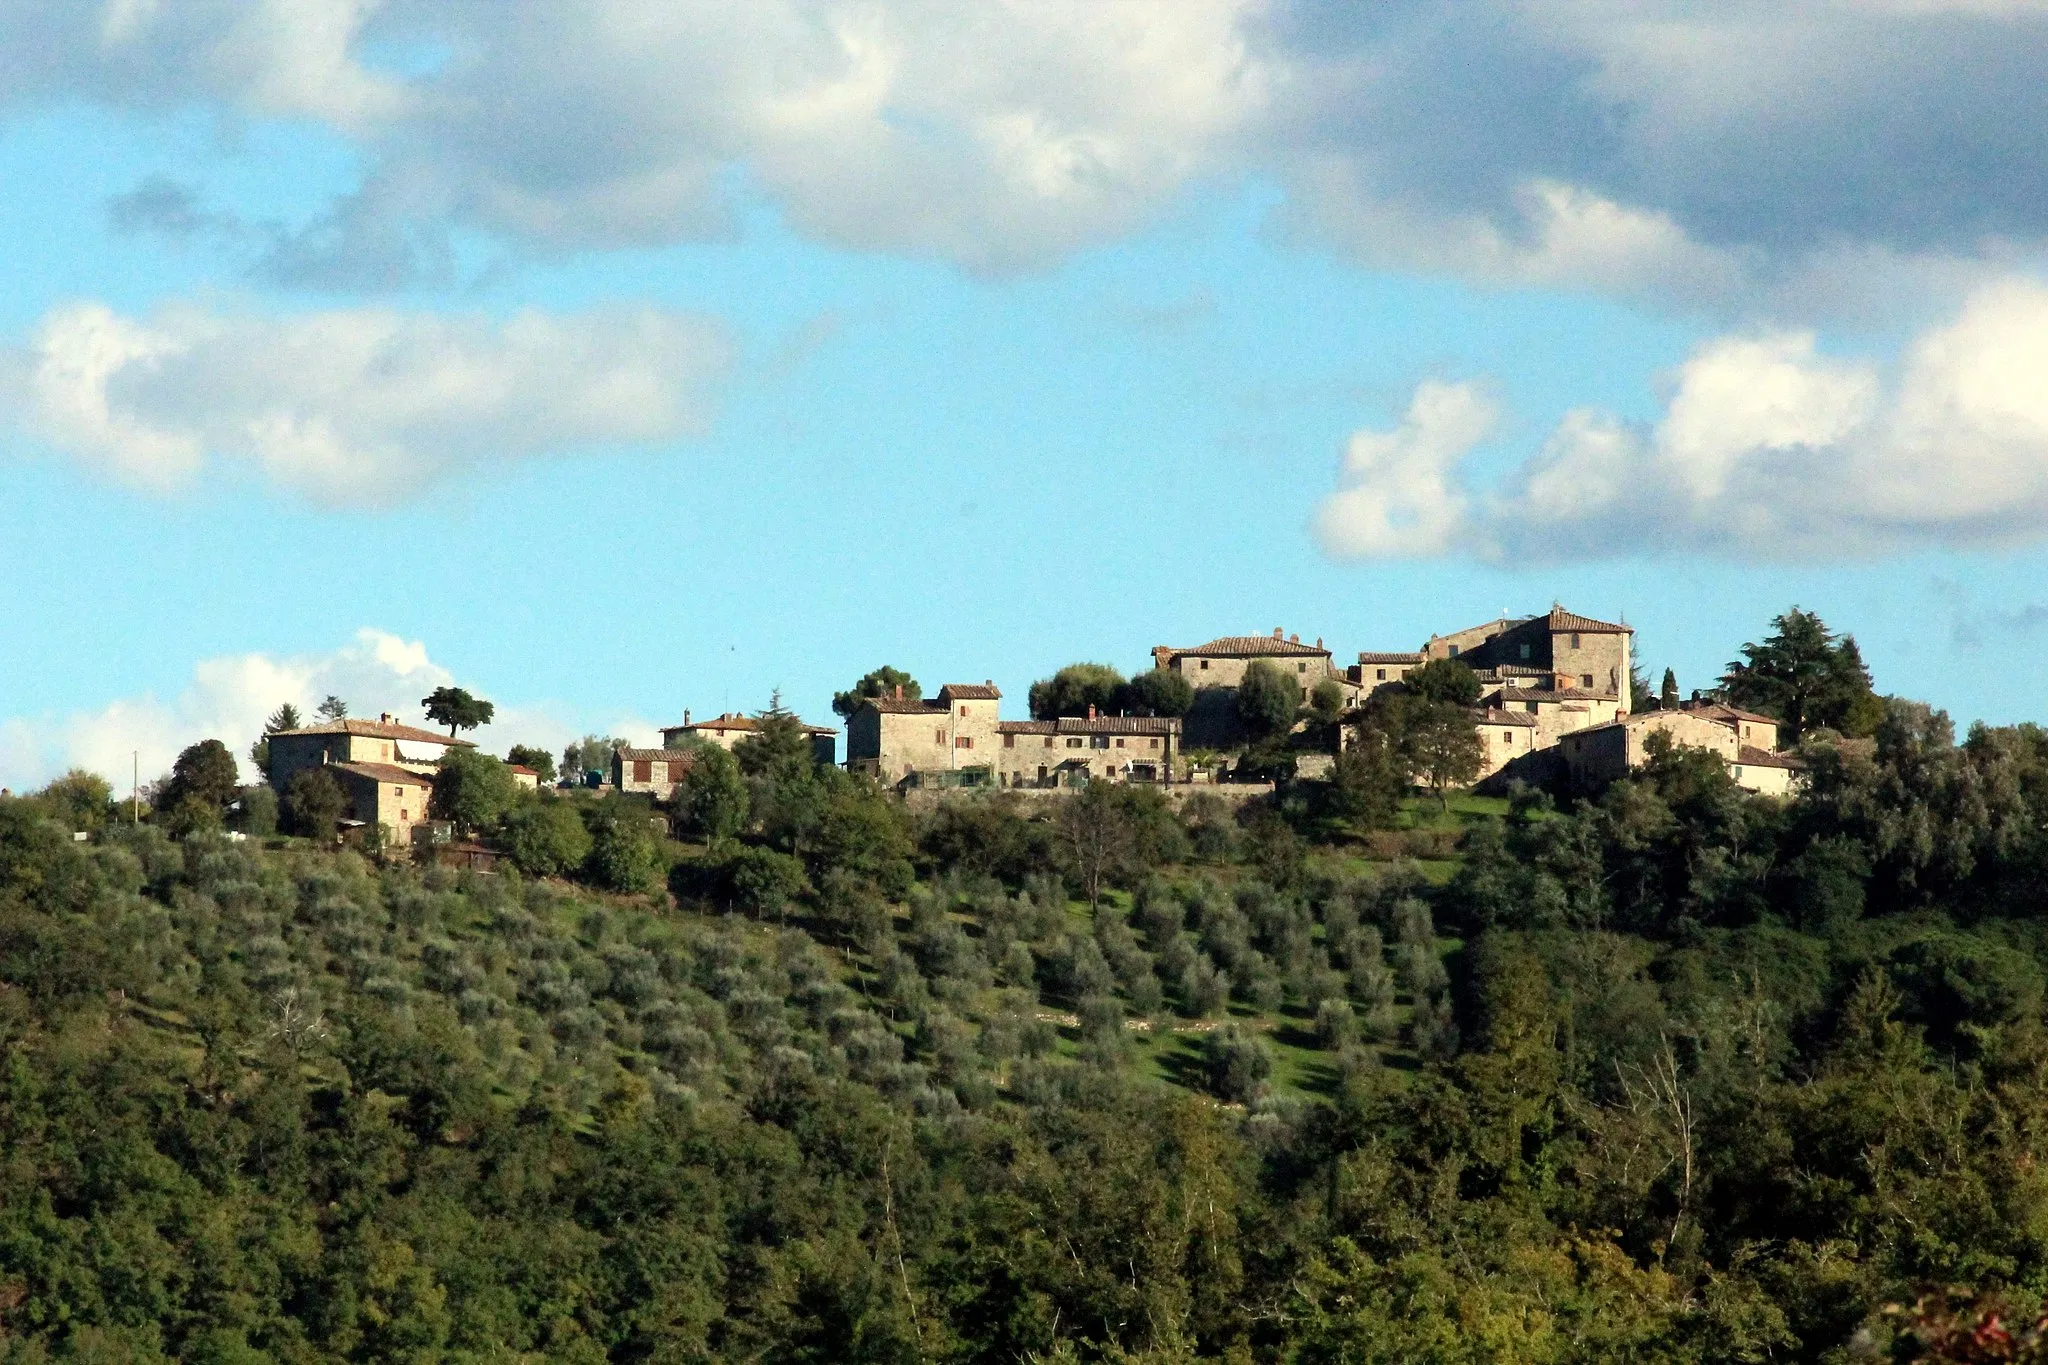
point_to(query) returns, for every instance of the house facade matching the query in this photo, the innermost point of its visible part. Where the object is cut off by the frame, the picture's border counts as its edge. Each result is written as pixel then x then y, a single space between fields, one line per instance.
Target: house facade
pixel 1073 750
pixel 383 794
pixel 1215 670
pixel 654 772
pixel 1562 647
pixel 1606 753
pixel 893 737
pixel 382 741
pixel 732 727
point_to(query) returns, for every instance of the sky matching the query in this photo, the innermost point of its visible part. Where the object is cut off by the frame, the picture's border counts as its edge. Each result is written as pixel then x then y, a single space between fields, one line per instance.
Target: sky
pixel 623 358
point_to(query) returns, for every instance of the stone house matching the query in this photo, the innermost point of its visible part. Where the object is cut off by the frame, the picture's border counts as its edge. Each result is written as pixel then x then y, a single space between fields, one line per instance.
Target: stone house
pixel 383 794
pixel 523 777
pixel 1376 670
pixel 1605 753
pixel 732 727
pixel 895 736
pixel 1755 731
pixel 1075 749
pixel 383 741
pixel 1570 650
pixel 1217 668
pixel 652 771
pixel 1504 737
pixel 1557 711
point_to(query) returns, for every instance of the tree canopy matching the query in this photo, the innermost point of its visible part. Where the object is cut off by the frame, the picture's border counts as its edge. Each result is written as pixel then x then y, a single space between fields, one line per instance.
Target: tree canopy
pixel 457 709
pixel 1075 688
pixel 332 708
pixel 1445 680
pixel 1268 699
pixel 1806 678
pixel 880 682
pixel 527 756
pixel 1160 692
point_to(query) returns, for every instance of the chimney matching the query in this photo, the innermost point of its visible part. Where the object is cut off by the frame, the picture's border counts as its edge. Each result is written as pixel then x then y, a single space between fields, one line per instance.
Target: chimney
pixel 988 682
pixel 899 691
pixel 1319 642
pixel 1294 639
pixel 385 717
pixel 686 715
pixel 1276 632
pixel 1091 710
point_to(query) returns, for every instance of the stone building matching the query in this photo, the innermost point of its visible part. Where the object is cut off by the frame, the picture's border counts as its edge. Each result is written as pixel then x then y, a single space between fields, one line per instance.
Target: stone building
pixel 1504 737
pixel 652 771
pixel 1376 670
pixel 1072 750
pixel 1217 668
pixel 383 740
pixel 1569 650
pixel 895 736
pixel 1605 753
pixel 384 794
pixel 732 727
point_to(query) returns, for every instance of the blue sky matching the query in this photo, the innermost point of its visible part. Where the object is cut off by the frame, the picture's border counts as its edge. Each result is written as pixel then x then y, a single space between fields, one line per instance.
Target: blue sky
pixel 606 367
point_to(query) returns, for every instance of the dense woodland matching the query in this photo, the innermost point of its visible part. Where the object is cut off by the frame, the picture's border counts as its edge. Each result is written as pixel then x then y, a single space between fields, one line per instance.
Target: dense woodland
pixel 1676 1074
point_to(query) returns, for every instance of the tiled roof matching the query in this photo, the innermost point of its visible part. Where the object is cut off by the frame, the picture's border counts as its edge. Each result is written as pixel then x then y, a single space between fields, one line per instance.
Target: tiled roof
pixel 733 720
pixel 1245 647
pixel 386 772
pixel 1554 694
pixel 1099 725
pixel 1723 711
pixel 972 692
pixel 1560 619
pixel 1493 716
pixel 1371 658
pixel 905 706
pixel 657 755
pixel 1752 757
pixel 375 729
pixel 522 770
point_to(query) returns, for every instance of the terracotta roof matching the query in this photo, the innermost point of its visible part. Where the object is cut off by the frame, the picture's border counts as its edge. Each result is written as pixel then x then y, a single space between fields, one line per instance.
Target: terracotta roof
pixel 375 729
pixel 657 755
pixel 906 706
pixel 1723 711
pixel 1383 658
pixel 386 772
pixel 1555 694
pixel 1560 619
pixel 1100 725
pixel 1244 647
pixel 733 720
pixel 522 769
pixel 972 692
pixel 1493 716
pixel 1749 756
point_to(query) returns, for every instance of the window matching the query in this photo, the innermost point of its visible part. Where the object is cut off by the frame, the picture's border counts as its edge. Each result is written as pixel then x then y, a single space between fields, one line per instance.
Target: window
pixel 1454 651
pixel 1009 741
pixel 1074 743
pixel 963 713
pixel 1048 741
pixel 1508 735
pixel 1098 741
pixel 643 770
pixel 1575 640
pixel 1382 676
pixel 1301 668
pixel 938 736
pixel 1586 680
pixel 1530 705
pixel 1152 744
pixel 1205 663
pixel 1119 742
pixel 676 770
pixel 1525 653
pixel 963 741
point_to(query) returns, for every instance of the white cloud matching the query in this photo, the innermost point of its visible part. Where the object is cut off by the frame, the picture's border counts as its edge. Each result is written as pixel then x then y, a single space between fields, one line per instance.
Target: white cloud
pixel 1766 448
pixel 1398 494
pixel 355 406
pixel 1723 155
pixel 229 698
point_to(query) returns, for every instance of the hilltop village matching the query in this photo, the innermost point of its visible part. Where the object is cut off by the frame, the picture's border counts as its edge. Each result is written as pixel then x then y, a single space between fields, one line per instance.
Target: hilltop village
pixel 1548 700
